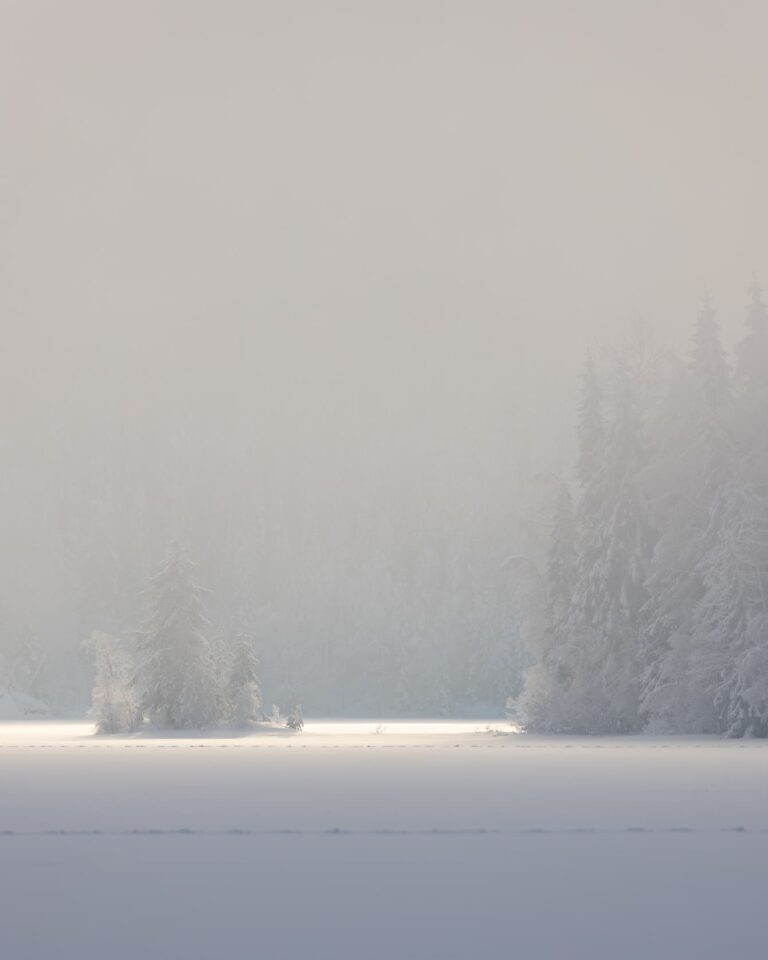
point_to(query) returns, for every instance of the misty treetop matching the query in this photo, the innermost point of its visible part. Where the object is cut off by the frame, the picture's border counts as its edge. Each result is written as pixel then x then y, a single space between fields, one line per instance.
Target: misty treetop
pixel 656 601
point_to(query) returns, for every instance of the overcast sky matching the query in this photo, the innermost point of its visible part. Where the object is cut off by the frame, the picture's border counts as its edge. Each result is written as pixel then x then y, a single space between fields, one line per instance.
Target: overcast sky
pixel 345 220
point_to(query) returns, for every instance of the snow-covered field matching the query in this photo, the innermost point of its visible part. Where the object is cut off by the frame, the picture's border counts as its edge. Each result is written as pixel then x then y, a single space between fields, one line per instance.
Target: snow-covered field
pixel 375 840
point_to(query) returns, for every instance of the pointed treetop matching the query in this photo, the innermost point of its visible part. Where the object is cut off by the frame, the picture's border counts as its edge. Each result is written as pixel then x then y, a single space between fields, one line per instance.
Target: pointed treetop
pixel 752 351
pixel 591 428
pixel 709 364
pixel 757 317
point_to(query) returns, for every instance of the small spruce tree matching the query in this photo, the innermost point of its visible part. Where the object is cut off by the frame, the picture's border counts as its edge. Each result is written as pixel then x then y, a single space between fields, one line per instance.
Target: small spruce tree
pixel 242 691
pixel 295 719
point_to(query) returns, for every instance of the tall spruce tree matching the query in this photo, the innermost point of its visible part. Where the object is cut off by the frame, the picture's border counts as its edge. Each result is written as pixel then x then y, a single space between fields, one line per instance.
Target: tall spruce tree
pixel 553 696
pixel 176 676
pixel 561 566
pixel 243 691
pixel 614 544
pixel 591 434
pixel 624 538
pixel 731 619
pixel 689 469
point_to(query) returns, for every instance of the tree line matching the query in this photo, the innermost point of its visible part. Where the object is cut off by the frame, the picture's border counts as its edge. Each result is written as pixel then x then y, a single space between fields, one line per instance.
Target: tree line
pixel 656 581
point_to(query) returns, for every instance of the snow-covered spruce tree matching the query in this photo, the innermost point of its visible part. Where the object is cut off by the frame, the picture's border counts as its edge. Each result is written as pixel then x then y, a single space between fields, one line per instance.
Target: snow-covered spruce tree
pixel 176 676
pixel 592 438
pixel 596 666
pixel 709 370
pixel 221 660
pixel 113 705
pixel 684 483
pixel 613 569
pixel 242 689
pixel 553 699
pixel 561 565
pixel 731 619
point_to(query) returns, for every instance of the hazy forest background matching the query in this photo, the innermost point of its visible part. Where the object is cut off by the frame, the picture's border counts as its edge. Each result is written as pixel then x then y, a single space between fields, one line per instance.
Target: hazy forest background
pixel 329 335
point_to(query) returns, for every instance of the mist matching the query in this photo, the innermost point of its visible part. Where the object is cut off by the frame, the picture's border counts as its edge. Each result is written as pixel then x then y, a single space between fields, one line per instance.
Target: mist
pixel 309 287
pixel 383 479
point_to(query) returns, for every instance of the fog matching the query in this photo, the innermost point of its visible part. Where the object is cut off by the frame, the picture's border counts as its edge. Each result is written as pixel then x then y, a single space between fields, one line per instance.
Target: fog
pixel 308 287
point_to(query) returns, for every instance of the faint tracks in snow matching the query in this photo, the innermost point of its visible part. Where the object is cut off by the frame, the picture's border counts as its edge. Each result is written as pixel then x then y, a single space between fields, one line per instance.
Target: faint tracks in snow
pixel 387 832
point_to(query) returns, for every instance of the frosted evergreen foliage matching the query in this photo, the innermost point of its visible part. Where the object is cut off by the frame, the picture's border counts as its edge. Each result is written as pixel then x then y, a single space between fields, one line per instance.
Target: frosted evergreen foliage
pixel 588 678
pixel 591 425
pixel 561 564
pixel 177 677
pixel 615 587
pixel 114 708
pixel 666 626
pixel 731 621
pixel 685 482
pixel 242 691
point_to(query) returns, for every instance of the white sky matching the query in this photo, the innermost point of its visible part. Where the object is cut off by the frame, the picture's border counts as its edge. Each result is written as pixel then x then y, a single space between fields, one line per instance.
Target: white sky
pixel 356 177
pixel 381 233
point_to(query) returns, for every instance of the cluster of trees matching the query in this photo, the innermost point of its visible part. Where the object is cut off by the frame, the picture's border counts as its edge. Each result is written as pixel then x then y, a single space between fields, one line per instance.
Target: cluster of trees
pixel 393 602
pixel 351 510
pixel 401 586
pixel 656 583
pixel 358 616
pixel 169 673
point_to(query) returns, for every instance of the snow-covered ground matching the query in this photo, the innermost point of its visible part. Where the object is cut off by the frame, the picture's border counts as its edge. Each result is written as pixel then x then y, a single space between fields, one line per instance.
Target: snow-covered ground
pixel 386 839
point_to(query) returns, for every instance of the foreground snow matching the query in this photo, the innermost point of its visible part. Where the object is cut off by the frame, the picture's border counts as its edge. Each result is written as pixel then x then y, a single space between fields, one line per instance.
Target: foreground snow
pixel 380 840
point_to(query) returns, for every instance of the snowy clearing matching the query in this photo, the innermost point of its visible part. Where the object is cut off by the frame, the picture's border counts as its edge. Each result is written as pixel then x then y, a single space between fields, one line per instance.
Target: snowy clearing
pixel 382 840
